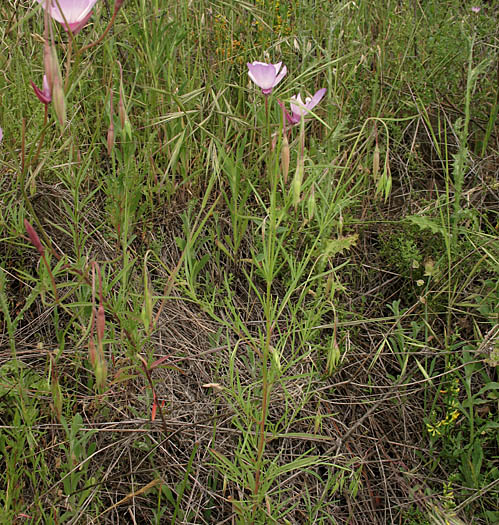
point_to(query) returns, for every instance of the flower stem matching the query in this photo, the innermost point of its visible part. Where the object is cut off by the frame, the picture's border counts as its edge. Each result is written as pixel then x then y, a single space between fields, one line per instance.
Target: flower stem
pixel 68 62
pixel 56 296
pixel 42 136
pixel 101 38
pixel 270 238
pixel 22 183
pixel 267 122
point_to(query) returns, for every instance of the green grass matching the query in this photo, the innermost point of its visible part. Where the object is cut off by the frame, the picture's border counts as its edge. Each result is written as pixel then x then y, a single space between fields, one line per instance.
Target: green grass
pixel 207 338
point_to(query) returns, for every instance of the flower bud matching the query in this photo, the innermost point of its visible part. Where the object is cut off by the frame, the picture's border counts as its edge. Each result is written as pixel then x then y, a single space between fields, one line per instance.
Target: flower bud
pixel 92 351
pixel 300 168
pixel 101 324
pixel 376 163
pixel 33 237
pixel 297 181
pixel 55 68
pixel 124 121
pixel 118 4
pixel 311 204
pixel 48 58
pixel 59 101
pixel 110 130
pixel 154 407
pixel 100 370
pixel 56 397
pixel 121 109
pixel 44 95
pixel 285 158
pixel 58 96
pixel 110 139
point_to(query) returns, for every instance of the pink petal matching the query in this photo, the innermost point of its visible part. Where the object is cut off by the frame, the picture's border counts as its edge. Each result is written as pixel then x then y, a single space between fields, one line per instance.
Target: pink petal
pixel 316 99
pixel 277 67
pixel 42 97
pixel 76 27
pixel 257 63
pixel 74 10
pixel 297 109
pixel 263 75
pixel 46 87
pixel 154 407
pixel 281 75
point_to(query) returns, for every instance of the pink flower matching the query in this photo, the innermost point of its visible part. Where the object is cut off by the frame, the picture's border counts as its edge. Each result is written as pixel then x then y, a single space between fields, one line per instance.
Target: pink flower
pixel 1 134
pixel 266 76
pixel 300 108
pixel 475 9
pixel 44 95
pixel 75 12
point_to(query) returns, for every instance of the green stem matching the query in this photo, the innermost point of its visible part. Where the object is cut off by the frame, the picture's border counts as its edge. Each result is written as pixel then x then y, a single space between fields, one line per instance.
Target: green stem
pixel 56 296
pixel 68 63
pixel 42 136
pixel 270 242
pixel 460 163
pixel 101 38
pixel 22 182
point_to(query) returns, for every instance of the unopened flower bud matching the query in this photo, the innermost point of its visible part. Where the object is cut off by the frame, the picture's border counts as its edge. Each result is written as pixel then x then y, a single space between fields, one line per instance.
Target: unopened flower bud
pixel 101 324
pixel 300 168
pixel 44 95
pixel 48 58
pixel 285 158
pixel 297 182
pixel 124 121
pixel 154 407
pixel 118 4
pixel 376 163
pixel 58 96
pixel 100 370
pixel 110 130
pixel 55 68
pixel 33 237
pixel 121 110
pixel 273 141
pixel 311 204
pixel 59 101
pixel 110 138
pixel 92 351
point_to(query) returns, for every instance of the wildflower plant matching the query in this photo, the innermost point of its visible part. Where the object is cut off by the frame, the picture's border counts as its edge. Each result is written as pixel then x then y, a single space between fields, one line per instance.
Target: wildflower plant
pixel 451 414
